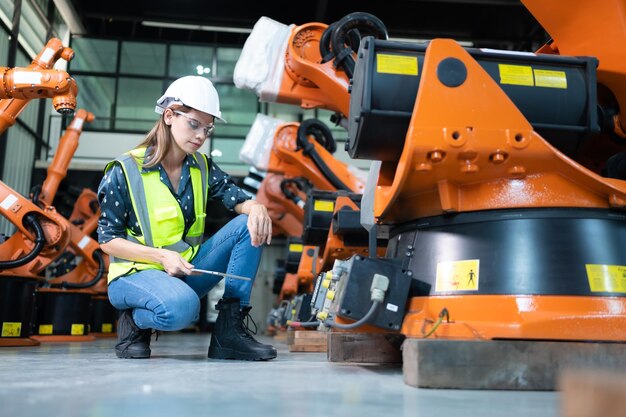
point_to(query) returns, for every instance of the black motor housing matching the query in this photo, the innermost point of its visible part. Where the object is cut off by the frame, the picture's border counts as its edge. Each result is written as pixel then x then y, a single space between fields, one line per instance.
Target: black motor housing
pixel 556 94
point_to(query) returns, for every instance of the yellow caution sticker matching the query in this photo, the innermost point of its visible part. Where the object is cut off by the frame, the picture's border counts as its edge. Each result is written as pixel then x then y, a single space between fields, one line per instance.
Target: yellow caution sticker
pixel 457 275
pixel 323 205
pixel 516 74
pixel 550 79
pixel 396 64
pixel 606 278
pixel 45 329
pixel 11 329
pixel 295 247
pixel 78 329
pixel 107 327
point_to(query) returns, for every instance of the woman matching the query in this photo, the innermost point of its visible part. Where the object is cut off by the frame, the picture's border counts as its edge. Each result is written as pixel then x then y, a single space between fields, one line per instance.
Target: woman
pixel 153 201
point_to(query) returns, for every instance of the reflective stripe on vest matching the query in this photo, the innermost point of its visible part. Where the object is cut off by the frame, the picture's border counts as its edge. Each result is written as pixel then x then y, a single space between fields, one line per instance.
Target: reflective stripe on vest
pixel 163 224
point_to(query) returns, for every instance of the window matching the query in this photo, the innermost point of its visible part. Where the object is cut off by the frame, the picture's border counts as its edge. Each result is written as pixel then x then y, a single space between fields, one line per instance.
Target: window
pixel 136 99
pixel 94 55
pixel 143 58
pixel 190 60
pixel 96 94
pixel 6 11
pixel 33 29
pixel 238 107
pixel 226 61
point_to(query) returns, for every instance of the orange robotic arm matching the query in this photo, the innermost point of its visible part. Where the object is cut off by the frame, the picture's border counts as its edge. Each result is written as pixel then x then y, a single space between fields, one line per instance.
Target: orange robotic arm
pixel 294 154
pixel 38 80
pixel 64 153
pixel 286 215
pixel 42 236
pixel 315 70
pixel 29 83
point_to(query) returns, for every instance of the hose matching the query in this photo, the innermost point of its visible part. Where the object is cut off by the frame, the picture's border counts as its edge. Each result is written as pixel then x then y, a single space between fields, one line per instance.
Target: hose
pixel 300 183
pixel 366 24
pixel 335 325
pixel 296 324
pixel 35 194
pixel 319 129
pixel 354 40
pixel 30 221
pixel 101 268
pixel 356 324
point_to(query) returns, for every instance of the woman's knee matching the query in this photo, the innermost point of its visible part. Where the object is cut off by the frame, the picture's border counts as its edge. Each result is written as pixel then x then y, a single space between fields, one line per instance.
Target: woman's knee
pixel 240 224
pixel 177 311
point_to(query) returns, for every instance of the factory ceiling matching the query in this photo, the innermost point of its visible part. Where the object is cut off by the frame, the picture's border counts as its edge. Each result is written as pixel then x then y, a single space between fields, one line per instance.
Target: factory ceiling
pixel 503 24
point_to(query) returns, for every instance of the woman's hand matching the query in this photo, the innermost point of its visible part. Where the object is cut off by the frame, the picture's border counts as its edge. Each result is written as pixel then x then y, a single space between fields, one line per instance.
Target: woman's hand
pixel 259 223
pixel 174 264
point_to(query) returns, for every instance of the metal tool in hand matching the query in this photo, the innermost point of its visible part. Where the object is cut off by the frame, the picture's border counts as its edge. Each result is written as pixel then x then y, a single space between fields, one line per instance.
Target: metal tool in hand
pixel 222 274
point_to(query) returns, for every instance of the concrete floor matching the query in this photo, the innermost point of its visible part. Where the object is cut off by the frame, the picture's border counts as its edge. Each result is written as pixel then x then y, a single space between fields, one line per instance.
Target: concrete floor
pixel 86 379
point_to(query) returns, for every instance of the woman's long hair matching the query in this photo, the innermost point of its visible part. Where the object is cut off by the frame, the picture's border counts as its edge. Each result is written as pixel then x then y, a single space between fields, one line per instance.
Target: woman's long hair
pixel 159 139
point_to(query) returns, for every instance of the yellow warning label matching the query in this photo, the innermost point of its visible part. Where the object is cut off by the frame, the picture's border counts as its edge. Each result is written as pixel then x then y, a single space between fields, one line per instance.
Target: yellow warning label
pixel 457 275
pixel 323 205
pixel 107 327
pixel 606 278
pixel 11 329
pixel 295 247
pixel 78 329
pixel 516 74
pixel 45 329
pixel 396 64
pixel 551 79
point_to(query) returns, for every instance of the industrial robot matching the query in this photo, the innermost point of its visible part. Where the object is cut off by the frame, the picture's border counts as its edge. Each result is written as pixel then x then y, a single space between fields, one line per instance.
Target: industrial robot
pixel 499 179
pixel 42 234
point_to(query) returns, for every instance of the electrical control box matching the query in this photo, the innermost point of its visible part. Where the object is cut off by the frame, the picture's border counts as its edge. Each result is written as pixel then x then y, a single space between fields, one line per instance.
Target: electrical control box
pixel 351 296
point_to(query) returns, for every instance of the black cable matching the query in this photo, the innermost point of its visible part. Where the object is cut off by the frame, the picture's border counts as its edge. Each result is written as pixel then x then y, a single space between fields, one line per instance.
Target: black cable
pixel 366 24
pixel 320 131
pixel 35 193
pixel 30 221
pixel 358 323
pixel 300 183
pixel 328 173
pixel 354 40
pixel 315 127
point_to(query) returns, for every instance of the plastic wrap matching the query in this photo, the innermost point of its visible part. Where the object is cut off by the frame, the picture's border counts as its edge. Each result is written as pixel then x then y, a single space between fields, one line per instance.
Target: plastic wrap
pixel 261 66
pixel 259 141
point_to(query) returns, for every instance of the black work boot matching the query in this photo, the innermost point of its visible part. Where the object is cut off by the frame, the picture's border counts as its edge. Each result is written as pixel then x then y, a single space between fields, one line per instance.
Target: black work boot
pixel 230 339
pixel 132 342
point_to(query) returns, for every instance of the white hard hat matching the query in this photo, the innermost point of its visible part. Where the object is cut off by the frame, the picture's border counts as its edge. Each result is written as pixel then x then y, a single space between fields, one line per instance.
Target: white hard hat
pixel 191 91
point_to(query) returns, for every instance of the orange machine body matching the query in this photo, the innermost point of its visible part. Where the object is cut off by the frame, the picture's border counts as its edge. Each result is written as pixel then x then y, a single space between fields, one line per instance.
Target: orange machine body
pixel 469 149
pixel 285 214
pixel 38 80
pixel 57 170
pixel 86 211
pixel 308 82
pixel 467 154
pixel 588 28
pixel 335 246
pixel 287 159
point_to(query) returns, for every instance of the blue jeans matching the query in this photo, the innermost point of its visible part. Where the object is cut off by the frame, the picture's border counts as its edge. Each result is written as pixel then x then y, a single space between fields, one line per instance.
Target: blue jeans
pixel 162 302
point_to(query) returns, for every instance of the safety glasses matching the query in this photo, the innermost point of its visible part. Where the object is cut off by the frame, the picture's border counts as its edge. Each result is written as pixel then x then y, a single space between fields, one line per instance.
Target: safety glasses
pixel 195 125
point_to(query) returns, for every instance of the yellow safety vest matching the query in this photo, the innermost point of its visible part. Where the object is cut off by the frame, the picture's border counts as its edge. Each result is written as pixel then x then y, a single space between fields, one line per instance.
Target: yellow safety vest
pixel 158 213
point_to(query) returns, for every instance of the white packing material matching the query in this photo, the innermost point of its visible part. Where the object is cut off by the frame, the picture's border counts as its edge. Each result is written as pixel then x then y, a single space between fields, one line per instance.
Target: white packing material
pixel 259 141
pixel 261 65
